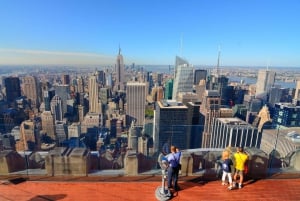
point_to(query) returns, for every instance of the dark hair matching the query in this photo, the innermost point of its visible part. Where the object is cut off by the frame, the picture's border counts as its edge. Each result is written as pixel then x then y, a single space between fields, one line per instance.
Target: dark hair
pixel 240 149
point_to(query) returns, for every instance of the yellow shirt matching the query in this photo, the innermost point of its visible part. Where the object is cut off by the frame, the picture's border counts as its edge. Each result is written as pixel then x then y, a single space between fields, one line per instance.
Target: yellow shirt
pixel 240 159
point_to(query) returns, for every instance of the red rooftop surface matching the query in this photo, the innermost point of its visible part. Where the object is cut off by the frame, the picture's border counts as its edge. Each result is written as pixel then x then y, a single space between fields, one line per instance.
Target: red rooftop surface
pixel 76 190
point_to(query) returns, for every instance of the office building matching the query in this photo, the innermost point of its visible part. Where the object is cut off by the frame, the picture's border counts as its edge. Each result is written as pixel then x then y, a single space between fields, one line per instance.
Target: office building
pixel 100 76
pixel 48 124
pixel 233 132
pixel 170 124
pixel 185 97
pixel 94 105
pixel 278 95
pixel 65 79
pixel 209 110
pixel 63 91
pixel 157 93
pixel 56 108
pixel 30 90
pixel 136 101
pixel 104 95
pixel 199 74
pixel 12 89
pixel 183 77
pixel 200 89
pixel 296 99
pixel 74 130
pixel 80 85
pixel 265 80
pixel 194 130
pixel 286 115
pixel 29 138
pixel 61 131
pixel 168 89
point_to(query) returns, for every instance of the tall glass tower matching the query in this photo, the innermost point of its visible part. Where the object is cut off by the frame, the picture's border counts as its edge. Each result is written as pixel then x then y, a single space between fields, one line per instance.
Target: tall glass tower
pixel 184 77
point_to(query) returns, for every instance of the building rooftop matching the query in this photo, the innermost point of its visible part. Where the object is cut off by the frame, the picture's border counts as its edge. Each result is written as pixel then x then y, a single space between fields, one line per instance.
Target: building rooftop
pixel 141 188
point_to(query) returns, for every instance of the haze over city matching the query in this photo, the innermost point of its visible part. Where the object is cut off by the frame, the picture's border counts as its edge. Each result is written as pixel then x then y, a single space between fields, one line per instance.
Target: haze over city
pixel 248 33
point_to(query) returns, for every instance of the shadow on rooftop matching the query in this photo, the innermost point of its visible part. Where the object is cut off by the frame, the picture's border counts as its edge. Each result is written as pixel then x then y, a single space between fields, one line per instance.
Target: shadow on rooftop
pixel 48 197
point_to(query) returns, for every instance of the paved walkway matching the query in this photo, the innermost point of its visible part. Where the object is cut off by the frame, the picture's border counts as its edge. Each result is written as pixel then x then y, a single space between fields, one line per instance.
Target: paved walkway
pixel 266 190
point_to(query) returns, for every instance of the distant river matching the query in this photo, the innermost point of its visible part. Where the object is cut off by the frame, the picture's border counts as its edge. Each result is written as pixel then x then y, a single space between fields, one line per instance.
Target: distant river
pixel 248 80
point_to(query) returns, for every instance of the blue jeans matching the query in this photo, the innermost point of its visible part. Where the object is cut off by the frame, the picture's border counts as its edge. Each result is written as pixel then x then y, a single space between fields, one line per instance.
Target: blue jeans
pixel 173 176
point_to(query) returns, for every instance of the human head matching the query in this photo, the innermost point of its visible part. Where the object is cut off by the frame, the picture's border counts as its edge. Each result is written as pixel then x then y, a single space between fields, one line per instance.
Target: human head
pixel 240 149
pixel 225 154
pixel 173 148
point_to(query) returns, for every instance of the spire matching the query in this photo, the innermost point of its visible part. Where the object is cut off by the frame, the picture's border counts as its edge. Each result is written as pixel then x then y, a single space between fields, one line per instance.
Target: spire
pixel 218 64
pixel 119 49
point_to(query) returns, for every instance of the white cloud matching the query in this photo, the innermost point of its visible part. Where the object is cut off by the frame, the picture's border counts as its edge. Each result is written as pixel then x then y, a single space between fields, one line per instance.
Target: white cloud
pixel 40 57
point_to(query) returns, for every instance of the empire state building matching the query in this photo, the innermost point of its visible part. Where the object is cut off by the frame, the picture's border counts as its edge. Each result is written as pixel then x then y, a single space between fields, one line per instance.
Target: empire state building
pixel 119 84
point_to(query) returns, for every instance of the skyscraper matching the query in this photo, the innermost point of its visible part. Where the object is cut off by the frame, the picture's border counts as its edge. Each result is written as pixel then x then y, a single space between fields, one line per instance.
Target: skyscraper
pixel 12 89
pixel 119 84
pixel 136 100
pixel 48 124
pixel 30 90
pixel 65 79
pixel 80 85
pixel 170 124
pixel 233 132
pixel 209 110
pixel 100 75
pixel 199 74
pixel 63 91
pixel 94 106
pixel 297 94
pixel 56 108
pixel 168 89
pixel 265 80
pixel 183 78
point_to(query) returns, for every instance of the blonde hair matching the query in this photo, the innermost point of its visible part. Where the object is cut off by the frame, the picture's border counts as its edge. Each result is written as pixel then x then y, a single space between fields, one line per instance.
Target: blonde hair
pixel 225 154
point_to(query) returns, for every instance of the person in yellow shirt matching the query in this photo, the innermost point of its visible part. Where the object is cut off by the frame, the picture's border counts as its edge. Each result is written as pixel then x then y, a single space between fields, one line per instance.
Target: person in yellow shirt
pixel 240 158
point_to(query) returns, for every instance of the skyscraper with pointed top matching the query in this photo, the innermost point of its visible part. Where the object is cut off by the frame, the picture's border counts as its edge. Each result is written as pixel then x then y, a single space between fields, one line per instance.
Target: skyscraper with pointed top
pixel 119 83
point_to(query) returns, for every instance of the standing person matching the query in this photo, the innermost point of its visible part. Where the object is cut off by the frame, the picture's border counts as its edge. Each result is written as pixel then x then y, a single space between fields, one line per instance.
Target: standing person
pixel 178 156
pixel 173 168
pixel 240 158
pixel 166 147
pixel 226 167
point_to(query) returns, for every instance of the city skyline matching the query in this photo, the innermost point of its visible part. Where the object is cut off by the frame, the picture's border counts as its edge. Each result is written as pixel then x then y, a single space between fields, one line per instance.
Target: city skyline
pixel 248 33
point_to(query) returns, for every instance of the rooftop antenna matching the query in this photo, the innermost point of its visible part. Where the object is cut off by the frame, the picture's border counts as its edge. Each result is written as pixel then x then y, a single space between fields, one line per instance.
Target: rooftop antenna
pixel 119 49
pixel 218 64
pixel 268 64
pixel 181 41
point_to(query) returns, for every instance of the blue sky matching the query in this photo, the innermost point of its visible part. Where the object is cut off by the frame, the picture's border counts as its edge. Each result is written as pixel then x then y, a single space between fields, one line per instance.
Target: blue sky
pixel 248 32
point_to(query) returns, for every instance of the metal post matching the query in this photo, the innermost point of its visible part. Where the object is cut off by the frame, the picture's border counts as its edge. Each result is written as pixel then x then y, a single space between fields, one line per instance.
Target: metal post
pixel 273 152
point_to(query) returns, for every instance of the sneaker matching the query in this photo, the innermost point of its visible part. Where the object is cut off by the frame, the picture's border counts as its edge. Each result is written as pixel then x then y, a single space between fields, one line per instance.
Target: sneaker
pixel 240 186
pixel 224 184
pixel 230 188
pixel 233 184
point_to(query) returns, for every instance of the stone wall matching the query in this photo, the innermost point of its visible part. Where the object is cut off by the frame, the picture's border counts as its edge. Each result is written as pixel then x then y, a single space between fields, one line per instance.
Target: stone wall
pixel 11 161
pixel 68 161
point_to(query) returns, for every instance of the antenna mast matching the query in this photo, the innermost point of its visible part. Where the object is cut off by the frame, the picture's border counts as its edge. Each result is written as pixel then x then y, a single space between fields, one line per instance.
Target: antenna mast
pixel 218 64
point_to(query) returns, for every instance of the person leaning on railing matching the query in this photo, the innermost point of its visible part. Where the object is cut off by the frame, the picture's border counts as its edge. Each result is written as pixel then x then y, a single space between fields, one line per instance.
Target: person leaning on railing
pixel 173 169
pixel 240 158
